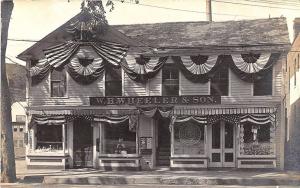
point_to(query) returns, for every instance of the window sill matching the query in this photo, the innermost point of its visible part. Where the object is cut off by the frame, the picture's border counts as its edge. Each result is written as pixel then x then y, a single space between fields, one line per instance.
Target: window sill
pixel 256 157
pixel 50 153
pixel 118 156
pixel 66 97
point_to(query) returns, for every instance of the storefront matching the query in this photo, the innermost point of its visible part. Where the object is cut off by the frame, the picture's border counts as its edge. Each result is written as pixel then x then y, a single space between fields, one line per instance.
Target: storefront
pixel 179 137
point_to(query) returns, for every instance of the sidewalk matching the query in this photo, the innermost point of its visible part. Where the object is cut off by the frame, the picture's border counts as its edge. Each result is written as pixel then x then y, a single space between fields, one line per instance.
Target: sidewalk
pixel 162 177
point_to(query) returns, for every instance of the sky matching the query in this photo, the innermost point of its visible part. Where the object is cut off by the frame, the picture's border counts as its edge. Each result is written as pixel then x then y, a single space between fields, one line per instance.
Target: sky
pixel 34 19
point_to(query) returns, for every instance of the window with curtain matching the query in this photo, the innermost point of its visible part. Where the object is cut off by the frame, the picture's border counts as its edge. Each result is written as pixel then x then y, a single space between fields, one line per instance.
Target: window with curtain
pixel 219 83
pixel 189 138
pixel 58 83
pixel 49 138
pixel 113 82
pixel 263 86
pixel 118 139
pixel 170 80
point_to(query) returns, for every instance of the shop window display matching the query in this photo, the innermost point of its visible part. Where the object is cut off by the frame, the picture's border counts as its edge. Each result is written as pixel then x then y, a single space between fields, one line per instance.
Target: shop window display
pixel 257 139
pixel 189 138
pixel 118 139
pixel 49 138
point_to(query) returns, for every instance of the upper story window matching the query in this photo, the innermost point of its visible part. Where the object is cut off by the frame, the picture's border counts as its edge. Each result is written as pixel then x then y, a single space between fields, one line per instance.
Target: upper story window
pixel 58 83
pixel 263 86
pixel 20 118
pixel 113 82
pixel 220 82
pixel 170 81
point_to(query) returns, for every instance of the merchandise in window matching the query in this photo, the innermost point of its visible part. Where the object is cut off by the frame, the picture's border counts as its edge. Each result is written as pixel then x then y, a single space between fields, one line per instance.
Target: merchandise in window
pixel 189 138
pixel 49 138
pixel 220 82
pixel 58 83
pixel 113 82
pixel 257 139
pixel 264 85
pixel 118 139
pixel 170 81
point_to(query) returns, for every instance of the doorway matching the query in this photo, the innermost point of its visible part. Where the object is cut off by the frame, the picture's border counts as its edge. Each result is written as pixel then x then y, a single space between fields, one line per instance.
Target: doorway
pixel 164 142
pixel 82 144
pixel 222 147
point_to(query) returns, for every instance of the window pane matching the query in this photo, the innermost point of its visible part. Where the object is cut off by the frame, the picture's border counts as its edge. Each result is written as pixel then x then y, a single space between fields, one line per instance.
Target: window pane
pixel 49 137
pixel 228 135
pixel 263 86
pixel 216 135
pixel 20 118
pixel 219 82
pixel 113 82
pixel 118 139
pixel 170 81
pixel 113 88
pixel 58 83
pixel 189 138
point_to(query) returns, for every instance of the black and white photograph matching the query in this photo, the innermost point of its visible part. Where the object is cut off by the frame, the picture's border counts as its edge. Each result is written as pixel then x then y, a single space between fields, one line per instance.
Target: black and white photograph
pixel 150 93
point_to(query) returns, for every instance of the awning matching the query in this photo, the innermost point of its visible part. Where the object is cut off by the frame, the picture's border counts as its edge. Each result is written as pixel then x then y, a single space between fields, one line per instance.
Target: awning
pixel 84 112
pixel 187 111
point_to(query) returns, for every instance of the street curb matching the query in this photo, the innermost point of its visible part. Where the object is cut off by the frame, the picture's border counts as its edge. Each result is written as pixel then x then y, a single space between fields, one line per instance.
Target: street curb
pixel 123 180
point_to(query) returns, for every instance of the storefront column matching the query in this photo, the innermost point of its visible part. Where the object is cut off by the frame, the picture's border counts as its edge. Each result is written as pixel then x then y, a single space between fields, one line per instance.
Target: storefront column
pixel 95 145
pixel 70 141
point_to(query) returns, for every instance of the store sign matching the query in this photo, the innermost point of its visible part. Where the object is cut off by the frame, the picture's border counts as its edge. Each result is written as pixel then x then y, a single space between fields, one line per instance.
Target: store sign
pixel 156 100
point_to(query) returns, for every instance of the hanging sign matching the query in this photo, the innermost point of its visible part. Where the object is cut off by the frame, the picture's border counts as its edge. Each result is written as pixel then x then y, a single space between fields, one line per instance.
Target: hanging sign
pixel 145 100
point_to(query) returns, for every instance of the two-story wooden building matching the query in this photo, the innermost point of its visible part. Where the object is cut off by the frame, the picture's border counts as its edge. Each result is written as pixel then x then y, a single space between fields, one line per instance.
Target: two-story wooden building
pixel 187 95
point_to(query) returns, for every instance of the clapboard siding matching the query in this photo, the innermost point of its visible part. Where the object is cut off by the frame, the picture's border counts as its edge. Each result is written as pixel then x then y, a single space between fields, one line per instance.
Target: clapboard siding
pixel 77 94
pixel 189 88
pixel 155 85
pixel 278 76
pixel 132 88
pixel 238 87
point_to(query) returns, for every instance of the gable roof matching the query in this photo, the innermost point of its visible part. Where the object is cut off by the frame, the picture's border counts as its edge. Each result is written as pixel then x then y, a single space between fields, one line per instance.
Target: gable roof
pixel 195 34
pixel 259 32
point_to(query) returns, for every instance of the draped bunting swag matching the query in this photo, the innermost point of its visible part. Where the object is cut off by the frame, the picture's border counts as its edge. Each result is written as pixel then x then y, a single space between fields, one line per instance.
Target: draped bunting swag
pixel 58 55
pixel 260 119
pixel 197 68
pixel 253 67
pixel 249 67
pixel 230 118
pixel 183 119
pixel 141 69
pixel 115 120
pixel 47 120
pixel 151 112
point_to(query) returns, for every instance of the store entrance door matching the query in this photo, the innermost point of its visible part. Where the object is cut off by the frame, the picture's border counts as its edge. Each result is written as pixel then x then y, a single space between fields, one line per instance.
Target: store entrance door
pixel 83 143
pixel 164 142
pixel 222 148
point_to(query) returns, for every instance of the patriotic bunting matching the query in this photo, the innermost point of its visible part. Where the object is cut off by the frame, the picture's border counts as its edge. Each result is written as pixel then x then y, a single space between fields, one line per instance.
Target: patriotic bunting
pixel 118 120
pixel 156 111
pixel 141 69
pixel 252 67
pixel 259 119
pixel 47 120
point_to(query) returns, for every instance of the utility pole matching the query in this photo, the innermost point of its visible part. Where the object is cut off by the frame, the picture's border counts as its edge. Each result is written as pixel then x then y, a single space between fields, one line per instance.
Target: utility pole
pixel 208 11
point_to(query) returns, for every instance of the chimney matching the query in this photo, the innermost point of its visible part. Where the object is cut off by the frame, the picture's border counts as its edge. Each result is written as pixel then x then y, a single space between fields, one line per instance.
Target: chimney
pixel 208 11
pixel 296 27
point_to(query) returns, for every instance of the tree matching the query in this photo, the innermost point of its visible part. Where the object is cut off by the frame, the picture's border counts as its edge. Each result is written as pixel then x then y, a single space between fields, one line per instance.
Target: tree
pixel 8 169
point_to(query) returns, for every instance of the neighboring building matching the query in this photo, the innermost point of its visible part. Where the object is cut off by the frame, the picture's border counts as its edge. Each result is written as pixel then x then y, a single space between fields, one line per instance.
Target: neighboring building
pixel 292 102
pixel 16 75
pixel 18 122
pixel 188 95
